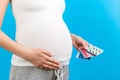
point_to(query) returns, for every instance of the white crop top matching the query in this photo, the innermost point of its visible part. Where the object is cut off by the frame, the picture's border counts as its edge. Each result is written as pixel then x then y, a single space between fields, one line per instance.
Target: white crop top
pixel 39 24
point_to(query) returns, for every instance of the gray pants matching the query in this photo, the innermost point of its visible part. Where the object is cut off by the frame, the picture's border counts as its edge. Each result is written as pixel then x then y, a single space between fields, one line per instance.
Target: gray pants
pixel 34 73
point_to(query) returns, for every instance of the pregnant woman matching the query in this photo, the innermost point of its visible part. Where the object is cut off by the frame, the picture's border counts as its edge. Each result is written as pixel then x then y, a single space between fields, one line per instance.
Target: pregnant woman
pixel 43 44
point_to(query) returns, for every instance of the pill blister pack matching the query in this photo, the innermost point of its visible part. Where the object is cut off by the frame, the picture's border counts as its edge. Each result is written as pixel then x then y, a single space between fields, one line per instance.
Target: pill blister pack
pixel 91 51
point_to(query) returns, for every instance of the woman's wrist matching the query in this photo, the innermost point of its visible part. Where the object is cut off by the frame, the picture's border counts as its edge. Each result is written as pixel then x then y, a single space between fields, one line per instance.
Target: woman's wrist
pixel 73 37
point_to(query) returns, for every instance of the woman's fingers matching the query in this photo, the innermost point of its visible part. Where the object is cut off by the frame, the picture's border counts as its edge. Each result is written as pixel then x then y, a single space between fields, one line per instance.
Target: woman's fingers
pixel 47 53
pixel 43 59
pixel 45 66
pixel 48 65
pixel 49 59
pixel 52 65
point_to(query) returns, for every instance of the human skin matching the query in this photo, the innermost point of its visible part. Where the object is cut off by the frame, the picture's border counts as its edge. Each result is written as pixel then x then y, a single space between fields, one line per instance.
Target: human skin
pixel 37 56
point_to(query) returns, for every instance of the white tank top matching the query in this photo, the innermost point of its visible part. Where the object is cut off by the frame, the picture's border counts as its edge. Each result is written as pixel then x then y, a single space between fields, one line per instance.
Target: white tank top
pixel 39 24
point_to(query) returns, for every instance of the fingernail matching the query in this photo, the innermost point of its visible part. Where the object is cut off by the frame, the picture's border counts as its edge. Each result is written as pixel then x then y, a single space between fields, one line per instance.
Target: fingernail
pixel 60 67
pixel 52 54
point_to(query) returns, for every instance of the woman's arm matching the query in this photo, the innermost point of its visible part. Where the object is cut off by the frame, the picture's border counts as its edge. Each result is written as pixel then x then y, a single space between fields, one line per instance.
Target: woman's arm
pixel 37 57
pixel 3 6
pixel 5 41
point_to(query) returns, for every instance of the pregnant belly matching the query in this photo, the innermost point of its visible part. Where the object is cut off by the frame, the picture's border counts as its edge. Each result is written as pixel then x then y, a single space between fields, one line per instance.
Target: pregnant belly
pixel 46 33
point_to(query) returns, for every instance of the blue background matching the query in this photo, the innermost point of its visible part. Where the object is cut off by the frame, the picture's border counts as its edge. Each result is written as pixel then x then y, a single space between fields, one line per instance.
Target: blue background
pixel 97 21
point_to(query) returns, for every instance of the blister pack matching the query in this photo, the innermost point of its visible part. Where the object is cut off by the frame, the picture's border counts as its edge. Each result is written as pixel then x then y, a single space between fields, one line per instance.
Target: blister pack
pixel 91 51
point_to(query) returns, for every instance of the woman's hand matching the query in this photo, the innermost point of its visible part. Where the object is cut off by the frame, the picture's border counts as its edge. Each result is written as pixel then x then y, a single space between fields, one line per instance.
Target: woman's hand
pixel 37 57
pixel 42 59
pixel 78 42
